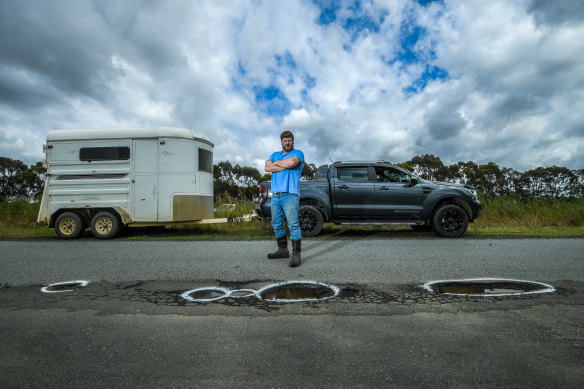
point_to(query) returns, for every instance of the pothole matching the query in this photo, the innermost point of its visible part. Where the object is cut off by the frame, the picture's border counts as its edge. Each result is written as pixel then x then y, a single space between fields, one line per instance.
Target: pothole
pixel 283 292
pixel 295 291
pixel 487 287
pixel 66 286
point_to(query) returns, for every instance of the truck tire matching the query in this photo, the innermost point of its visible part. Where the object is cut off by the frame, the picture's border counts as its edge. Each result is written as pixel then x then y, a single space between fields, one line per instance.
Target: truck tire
pixel 69 225
pixel 105 225
pixel 310 220
pixel 450 221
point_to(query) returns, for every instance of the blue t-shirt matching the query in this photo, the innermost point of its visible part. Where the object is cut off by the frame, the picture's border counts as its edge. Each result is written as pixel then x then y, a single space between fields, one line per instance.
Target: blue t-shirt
pixel 287 180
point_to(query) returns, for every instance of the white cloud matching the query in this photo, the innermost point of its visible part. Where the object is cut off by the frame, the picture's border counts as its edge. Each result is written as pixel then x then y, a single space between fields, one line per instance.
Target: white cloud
pixel 513 95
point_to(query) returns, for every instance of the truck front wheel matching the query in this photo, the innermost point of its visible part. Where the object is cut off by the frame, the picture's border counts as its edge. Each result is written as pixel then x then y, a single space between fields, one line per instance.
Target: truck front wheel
pixel 105 225
pixel 69 225
pixel 310 220
pixel 450 221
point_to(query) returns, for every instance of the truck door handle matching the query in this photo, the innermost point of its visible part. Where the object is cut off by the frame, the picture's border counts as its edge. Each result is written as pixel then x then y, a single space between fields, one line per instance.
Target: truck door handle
pixel 383 188
pixel 343 187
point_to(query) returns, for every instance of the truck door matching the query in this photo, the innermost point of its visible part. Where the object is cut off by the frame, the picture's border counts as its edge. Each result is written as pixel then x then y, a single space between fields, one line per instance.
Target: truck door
pixel 145 180
pixel 354 195
pixel 395 194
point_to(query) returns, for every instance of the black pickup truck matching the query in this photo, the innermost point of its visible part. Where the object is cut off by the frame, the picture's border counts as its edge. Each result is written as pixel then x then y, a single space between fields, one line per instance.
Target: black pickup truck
pixel 379 193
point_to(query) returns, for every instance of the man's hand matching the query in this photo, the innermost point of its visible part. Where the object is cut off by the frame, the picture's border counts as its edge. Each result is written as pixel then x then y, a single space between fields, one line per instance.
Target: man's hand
pixel 271 167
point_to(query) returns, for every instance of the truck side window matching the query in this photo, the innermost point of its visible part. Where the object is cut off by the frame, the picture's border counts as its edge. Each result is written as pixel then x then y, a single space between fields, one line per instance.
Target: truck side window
pixel 104 153
pixel 205 161
pixel 387 174
pixel 353 174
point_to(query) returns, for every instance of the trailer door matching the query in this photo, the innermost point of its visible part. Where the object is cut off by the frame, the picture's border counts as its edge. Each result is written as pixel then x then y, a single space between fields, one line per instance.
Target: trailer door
pixel 146 180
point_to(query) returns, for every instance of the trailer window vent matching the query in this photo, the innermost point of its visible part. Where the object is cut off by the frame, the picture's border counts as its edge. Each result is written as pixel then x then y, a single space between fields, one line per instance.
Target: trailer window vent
pixel 91 176
pixel 104 153
pixel 205 161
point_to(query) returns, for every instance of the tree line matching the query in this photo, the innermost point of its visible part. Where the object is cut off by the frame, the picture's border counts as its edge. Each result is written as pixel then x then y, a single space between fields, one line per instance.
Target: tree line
pixel 492 180
pixel 17 180
pixel 242 182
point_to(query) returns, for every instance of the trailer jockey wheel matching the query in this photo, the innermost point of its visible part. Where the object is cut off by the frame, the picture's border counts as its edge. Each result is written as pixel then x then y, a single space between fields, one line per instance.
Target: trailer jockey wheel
pixel 69 225
pixel 105 225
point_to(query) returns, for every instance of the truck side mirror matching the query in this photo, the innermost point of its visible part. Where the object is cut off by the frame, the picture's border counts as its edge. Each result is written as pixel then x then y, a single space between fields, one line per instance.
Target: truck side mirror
pixel 413 182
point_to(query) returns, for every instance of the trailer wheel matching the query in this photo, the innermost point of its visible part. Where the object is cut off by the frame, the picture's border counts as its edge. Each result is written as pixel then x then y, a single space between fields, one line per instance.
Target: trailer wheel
pixel 105 225
pixel 310 220
pixel 69 225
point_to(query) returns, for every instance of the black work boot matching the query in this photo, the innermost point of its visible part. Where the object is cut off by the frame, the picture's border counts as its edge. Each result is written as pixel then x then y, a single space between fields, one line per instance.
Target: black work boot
pixel 282 251
pixel 295 260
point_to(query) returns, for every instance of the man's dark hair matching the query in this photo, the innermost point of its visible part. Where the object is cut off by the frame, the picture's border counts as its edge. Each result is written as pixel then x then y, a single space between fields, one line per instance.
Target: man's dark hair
pixel 286 134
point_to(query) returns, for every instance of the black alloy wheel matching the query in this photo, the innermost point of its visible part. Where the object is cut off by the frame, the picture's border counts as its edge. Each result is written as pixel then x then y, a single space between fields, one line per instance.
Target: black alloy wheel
pixel 450 221
pixel 310 220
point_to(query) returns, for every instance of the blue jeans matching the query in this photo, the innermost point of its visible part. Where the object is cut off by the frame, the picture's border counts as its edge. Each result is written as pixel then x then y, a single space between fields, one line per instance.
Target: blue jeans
pixel 286 205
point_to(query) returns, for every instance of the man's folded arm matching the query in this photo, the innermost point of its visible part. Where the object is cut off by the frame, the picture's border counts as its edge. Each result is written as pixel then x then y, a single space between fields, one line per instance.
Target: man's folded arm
pixel 271 167
pixel 288 163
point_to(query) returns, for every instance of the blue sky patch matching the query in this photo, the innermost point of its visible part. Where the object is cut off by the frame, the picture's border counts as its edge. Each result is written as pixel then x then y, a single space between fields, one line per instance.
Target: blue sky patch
pixel 272 101
pixel 286 60
pixel 362 23
pixel 427 2
pixel 410 35
pixel 431 73
pixel 328 11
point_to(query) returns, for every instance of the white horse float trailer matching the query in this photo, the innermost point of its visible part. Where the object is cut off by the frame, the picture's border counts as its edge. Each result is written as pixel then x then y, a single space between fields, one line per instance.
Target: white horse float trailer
pixel 110 178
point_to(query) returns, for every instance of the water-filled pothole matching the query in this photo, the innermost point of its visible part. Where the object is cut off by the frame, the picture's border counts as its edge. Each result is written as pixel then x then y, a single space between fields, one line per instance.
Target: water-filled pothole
pixel 283 292
pixel 298 291
pixel 487 287
pixel 66 286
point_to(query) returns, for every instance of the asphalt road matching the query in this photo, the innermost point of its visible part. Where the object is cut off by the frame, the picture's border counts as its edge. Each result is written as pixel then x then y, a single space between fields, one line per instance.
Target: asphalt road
pixel 130 326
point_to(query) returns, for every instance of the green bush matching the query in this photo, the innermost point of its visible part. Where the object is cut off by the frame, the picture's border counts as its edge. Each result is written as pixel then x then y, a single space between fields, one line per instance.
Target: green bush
pixel 531 212
pixel 227 206
pixel 19 212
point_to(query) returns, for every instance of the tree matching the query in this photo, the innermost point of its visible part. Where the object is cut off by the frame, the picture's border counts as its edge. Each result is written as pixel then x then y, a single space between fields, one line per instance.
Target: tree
pixel 406 166
pixel 308 171
pixel 18 180
pixel 35 179
pixel 511 183
pixel 426 166
pixel 488 178
pixel 237 181
pixel 552 181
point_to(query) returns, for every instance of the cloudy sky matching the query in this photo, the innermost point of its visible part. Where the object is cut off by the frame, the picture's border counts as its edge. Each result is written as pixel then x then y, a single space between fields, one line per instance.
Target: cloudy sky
pixel 465 80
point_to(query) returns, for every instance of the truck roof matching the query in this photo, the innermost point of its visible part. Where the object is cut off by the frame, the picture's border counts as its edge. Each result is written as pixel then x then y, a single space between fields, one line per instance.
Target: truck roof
pixel 346 163
pixel 125 133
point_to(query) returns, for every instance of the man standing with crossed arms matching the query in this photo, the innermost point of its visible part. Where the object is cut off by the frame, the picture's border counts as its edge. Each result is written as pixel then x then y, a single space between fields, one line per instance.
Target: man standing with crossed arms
pixel 286 168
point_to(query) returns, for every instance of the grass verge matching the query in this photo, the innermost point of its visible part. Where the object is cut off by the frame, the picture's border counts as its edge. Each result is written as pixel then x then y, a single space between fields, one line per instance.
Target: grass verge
pixel 502 217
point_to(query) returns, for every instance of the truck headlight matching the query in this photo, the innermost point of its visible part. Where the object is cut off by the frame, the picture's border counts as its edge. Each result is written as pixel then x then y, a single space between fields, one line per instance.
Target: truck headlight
pixel 474 194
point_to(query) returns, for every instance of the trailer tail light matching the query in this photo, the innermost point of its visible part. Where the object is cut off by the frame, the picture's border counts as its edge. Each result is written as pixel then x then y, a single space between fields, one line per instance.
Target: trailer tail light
pixel 263 194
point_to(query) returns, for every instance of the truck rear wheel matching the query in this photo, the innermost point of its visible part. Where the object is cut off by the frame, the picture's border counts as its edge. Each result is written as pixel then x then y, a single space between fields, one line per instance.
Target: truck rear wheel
pixel 105 225
pixel 450 221
pixel 69 225
pixel 310 220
